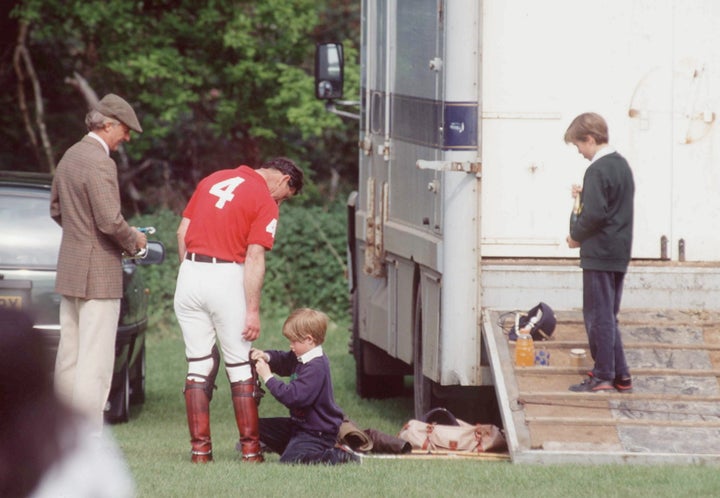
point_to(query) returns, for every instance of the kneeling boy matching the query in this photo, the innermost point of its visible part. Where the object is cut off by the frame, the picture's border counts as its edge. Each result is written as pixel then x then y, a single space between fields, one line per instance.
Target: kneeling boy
pixel 309 435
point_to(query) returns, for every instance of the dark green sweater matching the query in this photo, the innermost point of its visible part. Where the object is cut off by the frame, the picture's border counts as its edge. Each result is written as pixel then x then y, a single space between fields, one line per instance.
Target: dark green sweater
pixel 604 227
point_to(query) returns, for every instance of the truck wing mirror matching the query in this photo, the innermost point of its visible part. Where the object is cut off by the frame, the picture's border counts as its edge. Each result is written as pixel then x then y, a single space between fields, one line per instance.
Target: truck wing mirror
pixel 329 71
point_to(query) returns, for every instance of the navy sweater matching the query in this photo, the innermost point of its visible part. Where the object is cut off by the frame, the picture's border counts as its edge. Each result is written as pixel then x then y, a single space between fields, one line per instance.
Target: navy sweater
pixel 308 395
pixel 604 227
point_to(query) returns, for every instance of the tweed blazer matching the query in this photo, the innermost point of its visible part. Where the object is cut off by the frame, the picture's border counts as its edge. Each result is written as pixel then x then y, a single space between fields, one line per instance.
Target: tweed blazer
pixel 85 201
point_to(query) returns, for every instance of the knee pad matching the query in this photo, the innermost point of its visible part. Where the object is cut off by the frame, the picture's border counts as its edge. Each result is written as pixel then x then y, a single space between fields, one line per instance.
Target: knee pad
pixel 238 372
pixel 205 369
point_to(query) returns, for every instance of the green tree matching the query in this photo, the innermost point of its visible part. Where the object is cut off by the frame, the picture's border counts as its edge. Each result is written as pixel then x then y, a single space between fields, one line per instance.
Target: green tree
pixel 215 83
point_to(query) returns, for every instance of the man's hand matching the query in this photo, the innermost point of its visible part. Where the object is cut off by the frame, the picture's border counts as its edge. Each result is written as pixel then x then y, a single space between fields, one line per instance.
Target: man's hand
pixel 140 240
pixel 252 282
pixel 252 326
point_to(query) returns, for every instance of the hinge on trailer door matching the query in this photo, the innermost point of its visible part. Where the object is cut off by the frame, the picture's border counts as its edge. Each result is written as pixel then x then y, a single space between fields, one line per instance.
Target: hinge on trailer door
pixel 465 166
pixel 384 150
pixel 374 226
pixel 366 145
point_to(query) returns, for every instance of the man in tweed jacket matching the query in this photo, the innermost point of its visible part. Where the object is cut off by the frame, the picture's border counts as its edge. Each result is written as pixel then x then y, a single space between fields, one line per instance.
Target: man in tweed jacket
pixel 86 203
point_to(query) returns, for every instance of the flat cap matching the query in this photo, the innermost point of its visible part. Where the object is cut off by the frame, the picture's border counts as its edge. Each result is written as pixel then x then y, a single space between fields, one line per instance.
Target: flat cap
pixel 116 107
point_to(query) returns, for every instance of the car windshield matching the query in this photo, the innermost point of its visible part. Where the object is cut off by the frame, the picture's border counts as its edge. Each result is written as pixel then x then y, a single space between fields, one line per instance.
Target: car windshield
pixel 29 238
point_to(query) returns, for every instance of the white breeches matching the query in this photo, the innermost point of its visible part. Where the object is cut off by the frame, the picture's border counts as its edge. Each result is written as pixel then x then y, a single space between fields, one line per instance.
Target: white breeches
pixel 210 307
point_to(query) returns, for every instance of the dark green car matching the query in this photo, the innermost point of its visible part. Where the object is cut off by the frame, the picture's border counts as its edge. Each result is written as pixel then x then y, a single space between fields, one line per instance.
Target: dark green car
pixel 29 246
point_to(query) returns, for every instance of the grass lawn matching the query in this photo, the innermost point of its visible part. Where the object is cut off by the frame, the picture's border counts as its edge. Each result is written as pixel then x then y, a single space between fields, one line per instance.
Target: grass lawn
pixel 156 445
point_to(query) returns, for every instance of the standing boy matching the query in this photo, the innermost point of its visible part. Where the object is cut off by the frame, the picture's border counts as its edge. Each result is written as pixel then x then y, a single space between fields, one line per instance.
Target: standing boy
pixel 309 435
pixel 603 231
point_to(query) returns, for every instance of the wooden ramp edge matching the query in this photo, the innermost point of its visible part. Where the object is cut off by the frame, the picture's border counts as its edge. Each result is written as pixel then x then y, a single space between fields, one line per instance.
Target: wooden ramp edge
pixel 441 455
pixel 516 430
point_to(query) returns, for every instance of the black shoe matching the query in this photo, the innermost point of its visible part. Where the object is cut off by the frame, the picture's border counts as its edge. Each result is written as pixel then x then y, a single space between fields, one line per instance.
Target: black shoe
pixel 623 384
pixel 592 385
pixel 345 454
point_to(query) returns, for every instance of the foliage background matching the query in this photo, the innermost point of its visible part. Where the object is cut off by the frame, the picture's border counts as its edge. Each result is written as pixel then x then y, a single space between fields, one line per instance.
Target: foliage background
pixel 215 84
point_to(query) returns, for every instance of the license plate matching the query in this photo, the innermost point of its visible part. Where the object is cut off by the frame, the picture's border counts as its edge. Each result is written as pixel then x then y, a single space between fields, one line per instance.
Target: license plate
pixel 11 302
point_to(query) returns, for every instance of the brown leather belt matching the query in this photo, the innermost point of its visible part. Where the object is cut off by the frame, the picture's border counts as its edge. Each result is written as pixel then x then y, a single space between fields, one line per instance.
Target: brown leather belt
pixel 201 258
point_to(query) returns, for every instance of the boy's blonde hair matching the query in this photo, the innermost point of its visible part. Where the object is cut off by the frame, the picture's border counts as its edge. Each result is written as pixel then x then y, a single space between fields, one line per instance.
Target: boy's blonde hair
pixel 588 124
pixel 304 322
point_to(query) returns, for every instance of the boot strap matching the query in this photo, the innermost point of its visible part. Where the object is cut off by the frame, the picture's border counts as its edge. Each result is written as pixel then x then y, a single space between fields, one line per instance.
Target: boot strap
pixel 258 392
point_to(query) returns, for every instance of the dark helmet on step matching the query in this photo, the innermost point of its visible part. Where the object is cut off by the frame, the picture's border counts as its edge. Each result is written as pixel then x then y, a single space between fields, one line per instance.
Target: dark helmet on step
pixel 543 323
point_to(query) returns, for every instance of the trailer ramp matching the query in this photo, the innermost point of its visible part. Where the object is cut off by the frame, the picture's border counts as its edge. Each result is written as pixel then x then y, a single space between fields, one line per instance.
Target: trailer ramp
pixel 671 417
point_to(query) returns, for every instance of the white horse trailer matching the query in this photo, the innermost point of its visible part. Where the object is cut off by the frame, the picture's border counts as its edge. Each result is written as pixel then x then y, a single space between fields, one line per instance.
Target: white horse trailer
pixel 464 179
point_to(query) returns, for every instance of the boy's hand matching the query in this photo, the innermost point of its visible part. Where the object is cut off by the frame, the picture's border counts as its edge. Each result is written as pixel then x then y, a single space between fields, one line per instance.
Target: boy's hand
pixel 258 354
pixel 262 368
pixel 572 243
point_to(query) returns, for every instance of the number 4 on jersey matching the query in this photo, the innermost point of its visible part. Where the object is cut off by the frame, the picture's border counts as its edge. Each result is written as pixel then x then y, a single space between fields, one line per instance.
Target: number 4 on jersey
pixel 224 190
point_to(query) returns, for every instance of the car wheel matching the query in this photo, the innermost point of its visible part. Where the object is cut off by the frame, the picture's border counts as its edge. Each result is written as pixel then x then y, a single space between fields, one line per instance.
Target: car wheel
pixel 119 401
pixel 137 379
